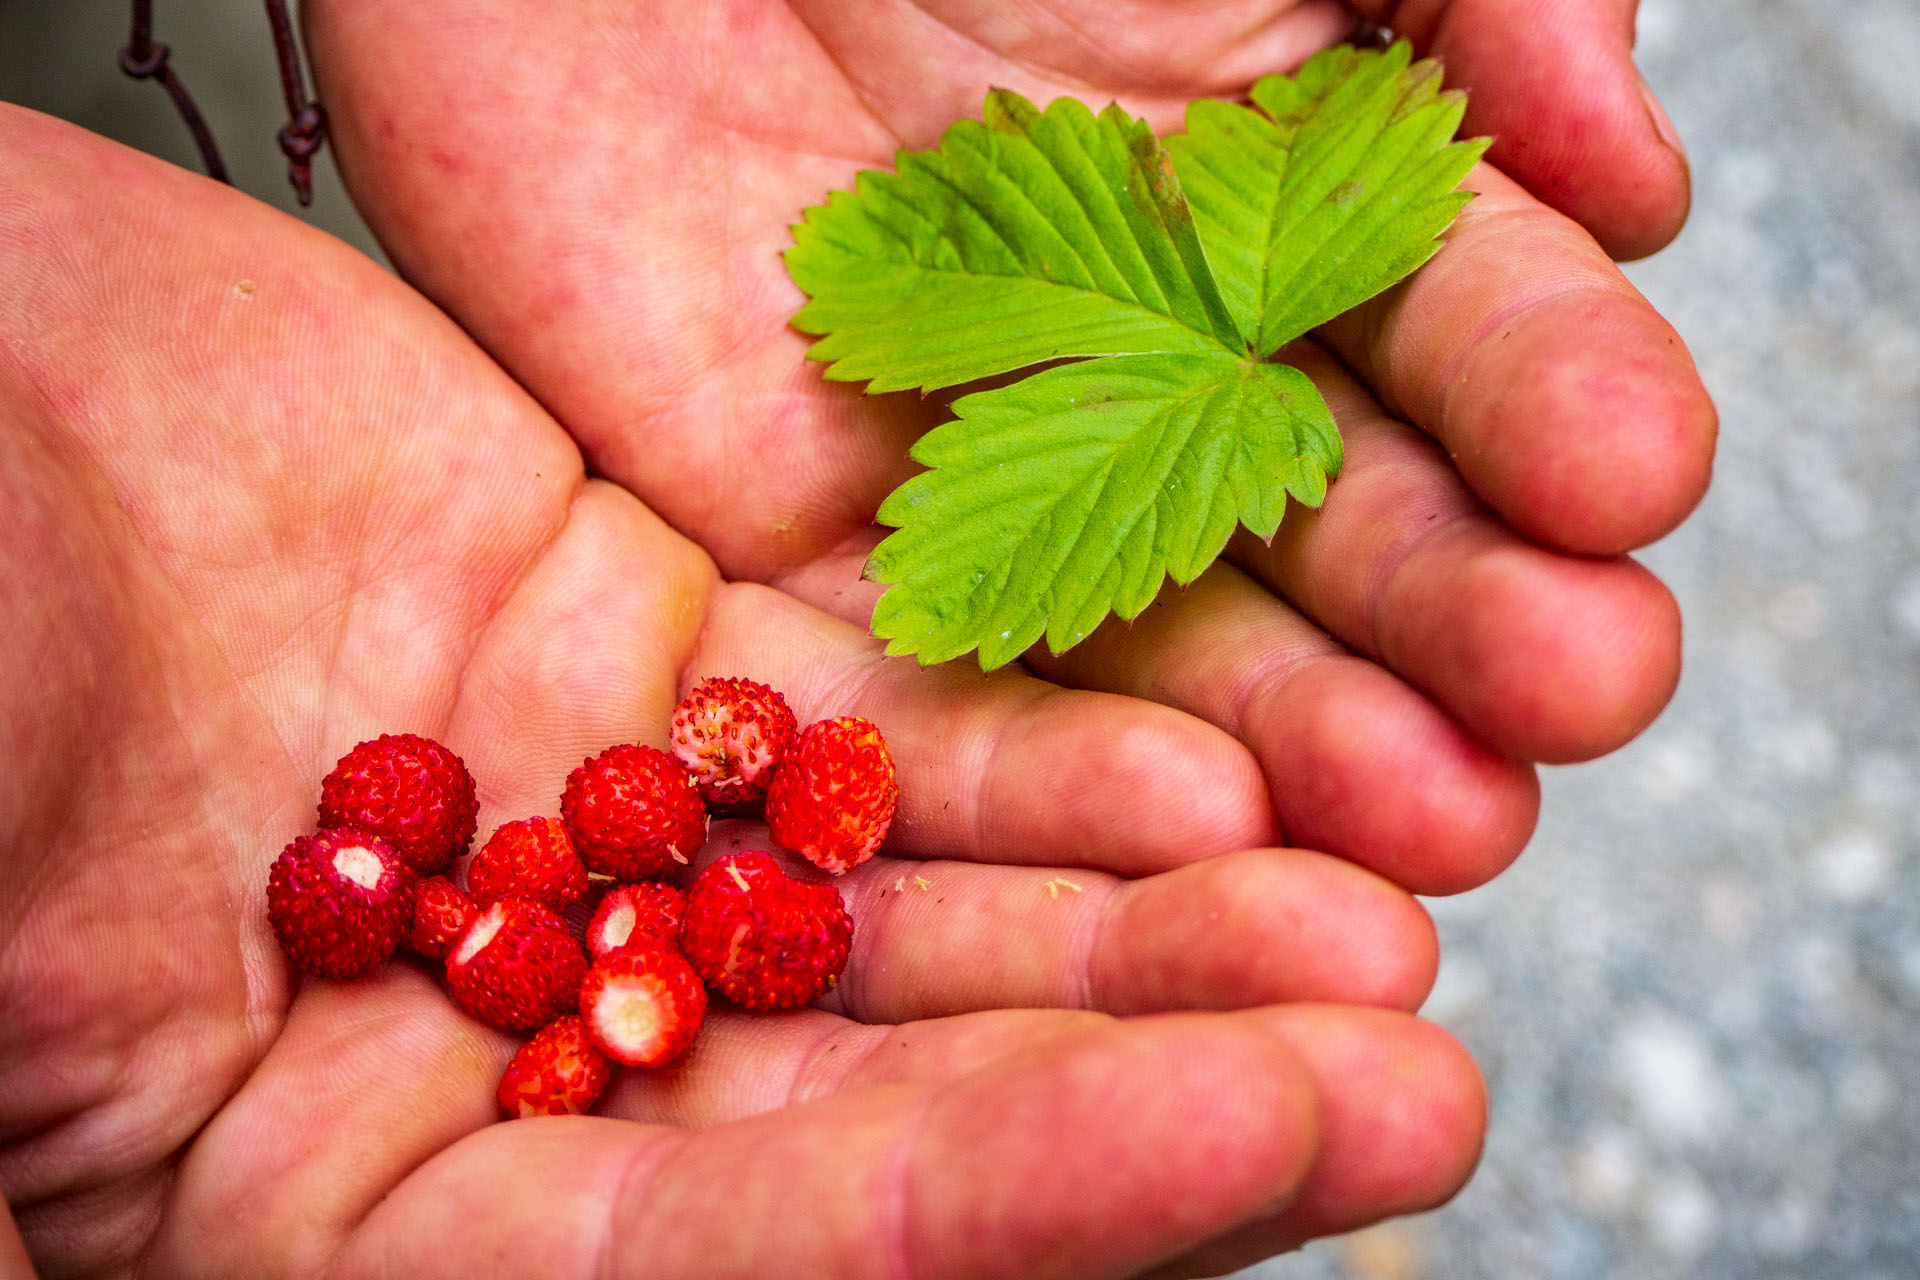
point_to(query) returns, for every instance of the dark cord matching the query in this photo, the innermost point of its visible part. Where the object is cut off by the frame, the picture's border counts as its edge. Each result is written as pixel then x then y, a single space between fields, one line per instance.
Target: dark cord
pixel 306 128
pixel 145 58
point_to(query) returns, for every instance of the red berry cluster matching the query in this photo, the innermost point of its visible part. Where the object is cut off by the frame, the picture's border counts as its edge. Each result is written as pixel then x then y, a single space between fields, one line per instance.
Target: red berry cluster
pixel 633 987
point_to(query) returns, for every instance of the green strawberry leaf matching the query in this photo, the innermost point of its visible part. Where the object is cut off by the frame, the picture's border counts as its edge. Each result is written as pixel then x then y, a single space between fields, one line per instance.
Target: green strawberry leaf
pixel 1035 235
pixel 1336 188
pixel 1031 236
pixel 1074 493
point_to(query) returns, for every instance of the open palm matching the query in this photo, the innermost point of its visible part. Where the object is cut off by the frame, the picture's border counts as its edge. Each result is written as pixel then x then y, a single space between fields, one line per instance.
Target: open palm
pixel 264 502
pixel 599 192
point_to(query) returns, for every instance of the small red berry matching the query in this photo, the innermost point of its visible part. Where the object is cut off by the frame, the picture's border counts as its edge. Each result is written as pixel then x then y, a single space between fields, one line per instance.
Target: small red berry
pixel 633 813
pixel 410 791
pixel 339 901
pixel 559 1072
pixel 441 913
pixel 532 858
pixel 761 938
pixel 833 797
pixel 643 1005
pixel 517 966
pixel 730 733
pixel 649 911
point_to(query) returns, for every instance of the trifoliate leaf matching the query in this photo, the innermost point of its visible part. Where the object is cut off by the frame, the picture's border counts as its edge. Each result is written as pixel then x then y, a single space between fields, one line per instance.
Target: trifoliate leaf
pixel 1033 235
pixel 1076 492
pixel 1337 187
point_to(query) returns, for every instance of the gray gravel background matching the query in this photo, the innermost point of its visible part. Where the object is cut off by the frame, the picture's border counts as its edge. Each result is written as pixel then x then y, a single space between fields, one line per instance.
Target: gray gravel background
pixel 1695 998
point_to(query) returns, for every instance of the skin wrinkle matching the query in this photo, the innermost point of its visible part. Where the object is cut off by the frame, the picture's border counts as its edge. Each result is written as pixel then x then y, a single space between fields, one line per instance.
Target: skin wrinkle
pixel 142 1259
pixel 1090 44
pixel 1381 584
pixel 808 1083
pixel 1274 671
pixel 851 81
pixel 1380 581
pixel 977 785
pixel 1511 315
pixel 1113 897
pixel 863 675
pixel 508 594
pixel 1090 925
pixel 876 914
pixel 897 1225
pixel 644 1167
pixel 1037 72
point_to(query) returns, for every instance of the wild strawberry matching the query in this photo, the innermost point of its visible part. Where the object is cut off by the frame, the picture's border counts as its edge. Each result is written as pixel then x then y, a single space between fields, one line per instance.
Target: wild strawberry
pixel 643 1005
pixel 339 902
pixel 558 1072
pixel 761 938
pixel 441 913
pixel 410 791
pixel 649 911
pixel 517 966
pixel 833 797
pixel 532 858
pixel 633 813
pixel 730 733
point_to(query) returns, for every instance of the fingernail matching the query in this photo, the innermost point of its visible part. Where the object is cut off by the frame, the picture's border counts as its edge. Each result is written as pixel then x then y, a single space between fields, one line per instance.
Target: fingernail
pixel 1662 122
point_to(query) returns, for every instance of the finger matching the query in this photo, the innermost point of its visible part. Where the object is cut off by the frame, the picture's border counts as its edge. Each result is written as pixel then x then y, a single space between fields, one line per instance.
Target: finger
pixel 745 1064
pixel 1553 82
pixel 14 1263
pixel 1004 768
pixel 1260 926
pixel 1356 762
pixel 1403 1109
pixel 1403 1113
pixel 1569 405
pixel 1541 656
pixel 1015 1169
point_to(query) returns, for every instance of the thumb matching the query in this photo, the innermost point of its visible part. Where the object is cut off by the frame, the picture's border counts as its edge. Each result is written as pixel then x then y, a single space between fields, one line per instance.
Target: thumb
pixel 1093 1154
pixel 1553 83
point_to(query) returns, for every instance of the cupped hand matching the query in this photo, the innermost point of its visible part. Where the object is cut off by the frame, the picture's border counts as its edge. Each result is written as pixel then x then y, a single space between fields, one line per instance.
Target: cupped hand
pixel 264 502
pixel 600 192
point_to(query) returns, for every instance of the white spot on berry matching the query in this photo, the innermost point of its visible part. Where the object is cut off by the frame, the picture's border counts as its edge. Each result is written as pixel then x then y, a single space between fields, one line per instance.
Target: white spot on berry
pixel 360 865
pixel 478 934
pixel 620 925
pixel 633 1019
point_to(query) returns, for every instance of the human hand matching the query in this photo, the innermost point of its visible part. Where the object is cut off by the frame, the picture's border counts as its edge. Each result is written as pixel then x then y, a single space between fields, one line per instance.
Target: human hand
pixel 600 193
pixel 263 501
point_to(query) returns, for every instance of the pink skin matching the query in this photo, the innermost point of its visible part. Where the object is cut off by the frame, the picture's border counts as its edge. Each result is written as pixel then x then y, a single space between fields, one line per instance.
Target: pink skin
pixel 263 502
pixel 599 193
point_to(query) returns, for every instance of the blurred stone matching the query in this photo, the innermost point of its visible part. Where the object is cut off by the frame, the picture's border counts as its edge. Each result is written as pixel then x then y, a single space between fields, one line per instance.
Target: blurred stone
pixel 1389 1251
